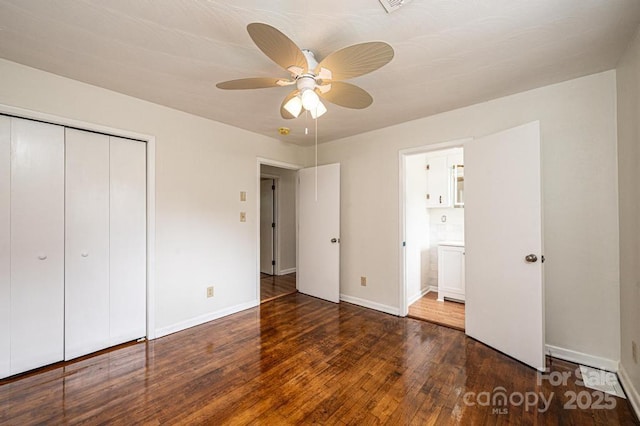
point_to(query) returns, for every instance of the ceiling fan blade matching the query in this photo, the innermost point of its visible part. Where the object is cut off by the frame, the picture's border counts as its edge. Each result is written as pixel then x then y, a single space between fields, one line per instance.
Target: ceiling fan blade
pixel 283 112
pixel 253 83
pixel 277 46
pixel 356 60
pixel 346 95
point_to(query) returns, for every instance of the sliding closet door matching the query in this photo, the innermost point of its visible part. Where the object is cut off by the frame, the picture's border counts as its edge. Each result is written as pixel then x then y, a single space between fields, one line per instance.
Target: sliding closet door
pixel 87 243
pixel 5 247
pixel 127 240
pixel 37 244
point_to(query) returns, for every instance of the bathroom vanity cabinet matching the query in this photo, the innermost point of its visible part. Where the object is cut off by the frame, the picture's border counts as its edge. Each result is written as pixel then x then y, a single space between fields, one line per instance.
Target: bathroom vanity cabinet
pixel 451 271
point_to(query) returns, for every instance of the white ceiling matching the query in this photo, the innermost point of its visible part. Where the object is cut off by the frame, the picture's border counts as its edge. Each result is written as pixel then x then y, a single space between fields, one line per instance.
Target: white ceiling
pixel 448 53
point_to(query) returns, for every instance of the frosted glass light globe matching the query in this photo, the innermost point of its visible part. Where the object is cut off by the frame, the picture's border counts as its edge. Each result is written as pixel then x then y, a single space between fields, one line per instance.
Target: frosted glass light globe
pixel 309 100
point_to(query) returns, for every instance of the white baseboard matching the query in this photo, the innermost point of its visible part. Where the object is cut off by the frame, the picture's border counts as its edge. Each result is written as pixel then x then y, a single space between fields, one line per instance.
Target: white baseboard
pixel 371 305
pixel 418 295
pixel 632 393
pixel 432 288
pixel 582 358
pixel 286 271
pixel 201 319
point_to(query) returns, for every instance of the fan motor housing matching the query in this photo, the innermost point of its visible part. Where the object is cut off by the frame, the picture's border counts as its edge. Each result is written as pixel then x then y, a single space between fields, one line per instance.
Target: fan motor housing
pixel 306 82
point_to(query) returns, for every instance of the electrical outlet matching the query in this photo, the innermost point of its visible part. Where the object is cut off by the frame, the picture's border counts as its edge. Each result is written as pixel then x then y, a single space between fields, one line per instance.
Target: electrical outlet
pixel 210 291
pixel 363 281
pixel 634 351
pixel 243 216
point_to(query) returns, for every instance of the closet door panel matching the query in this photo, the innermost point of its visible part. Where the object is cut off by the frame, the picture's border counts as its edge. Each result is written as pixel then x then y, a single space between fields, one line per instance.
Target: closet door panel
pixel 37 244
pixel 5 248
pixel 87 243
pixel 128 240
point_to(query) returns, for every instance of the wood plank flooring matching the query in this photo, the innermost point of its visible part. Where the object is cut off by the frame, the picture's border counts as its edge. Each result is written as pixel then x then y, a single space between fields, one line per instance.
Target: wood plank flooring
pixel 447 313
pixel 274 286
pixel 300 360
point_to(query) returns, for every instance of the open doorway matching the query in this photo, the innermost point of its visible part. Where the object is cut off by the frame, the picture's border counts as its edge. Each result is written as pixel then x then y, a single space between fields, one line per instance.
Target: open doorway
pixel 433 184
pixel 277 245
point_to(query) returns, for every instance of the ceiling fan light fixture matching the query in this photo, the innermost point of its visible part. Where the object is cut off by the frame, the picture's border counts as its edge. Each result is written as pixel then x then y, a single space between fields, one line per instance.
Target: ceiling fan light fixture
pixel 318 111
pixel 310 99
pixel 294 106
pixel 315 80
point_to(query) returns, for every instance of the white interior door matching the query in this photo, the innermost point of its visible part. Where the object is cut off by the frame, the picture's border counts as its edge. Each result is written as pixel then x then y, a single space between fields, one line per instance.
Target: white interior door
pixel 5 247
pixel 318 271
pixel 37 244
pixel 266 228
pixel 127 240
pixel 503 225
pixel 86 243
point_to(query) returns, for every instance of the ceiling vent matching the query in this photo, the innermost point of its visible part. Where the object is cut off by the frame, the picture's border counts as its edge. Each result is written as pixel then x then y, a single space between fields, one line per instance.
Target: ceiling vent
pixel 393 5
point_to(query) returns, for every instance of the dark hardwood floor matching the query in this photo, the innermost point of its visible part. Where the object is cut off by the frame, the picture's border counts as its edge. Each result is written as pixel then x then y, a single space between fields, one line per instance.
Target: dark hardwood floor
pixel 300 360
pixel 447 313
pixel 274 286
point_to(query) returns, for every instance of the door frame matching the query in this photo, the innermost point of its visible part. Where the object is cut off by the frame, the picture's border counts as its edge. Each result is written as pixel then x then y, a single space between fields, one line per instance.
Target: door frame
pixel 276 218
pixel 151 189
pixel 403 306
pixel 260 161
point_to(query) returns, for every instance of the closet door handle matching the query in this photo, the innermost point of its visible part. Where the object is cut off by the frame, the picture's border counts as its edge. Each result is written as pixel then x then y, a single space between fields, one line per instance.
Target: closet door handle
pixel 42 257
pixel 84 254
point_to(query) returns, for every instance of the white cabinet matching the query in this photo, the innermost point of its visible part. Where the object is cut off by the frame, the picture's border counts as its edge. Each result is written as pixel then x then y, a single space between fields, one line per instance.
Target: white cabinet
pixel 451 271
pixel 443 170
pixel 438 182
pixel 37 244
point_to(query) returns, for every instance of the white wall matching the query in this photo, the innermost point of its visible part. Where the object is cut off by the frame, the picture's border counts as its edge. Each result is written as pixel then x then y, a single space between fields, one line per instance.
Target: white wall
pixel 628 79
pixel 578 131
pixel 201 167
pixel 286 221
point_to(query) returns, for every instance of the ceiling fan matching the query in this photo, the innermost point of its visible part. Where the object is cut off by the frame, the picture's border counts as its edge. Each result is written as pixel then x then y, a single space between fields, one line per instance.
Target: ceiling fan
pixel 313 80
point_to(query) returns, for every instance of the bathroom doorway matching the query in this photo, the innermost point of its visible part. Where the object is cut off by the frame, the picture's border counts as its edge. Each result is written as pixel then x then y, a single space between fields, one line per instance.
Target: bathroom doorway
pixel 434 235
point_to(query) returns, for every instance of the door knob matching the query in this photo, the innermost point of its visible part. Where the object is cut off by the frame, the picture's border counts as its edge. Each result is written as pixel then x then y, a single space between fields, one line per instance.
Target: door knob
pixel 42 257
pixel 335 240
pixel 531 258
pixel 84 254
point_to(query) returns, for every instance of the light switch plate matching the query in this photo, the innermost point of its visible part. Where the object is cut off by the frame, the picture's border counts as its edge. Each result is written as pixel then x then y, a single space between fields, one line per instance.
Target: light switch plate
pixel 243 196
pixel 243 216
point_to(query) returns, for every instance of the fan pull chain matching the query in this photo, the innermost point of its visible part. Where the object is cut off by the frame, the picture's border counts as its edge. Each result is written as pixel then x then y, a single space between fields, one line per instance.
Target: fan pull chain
pixel 316 159
pixel 306 126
